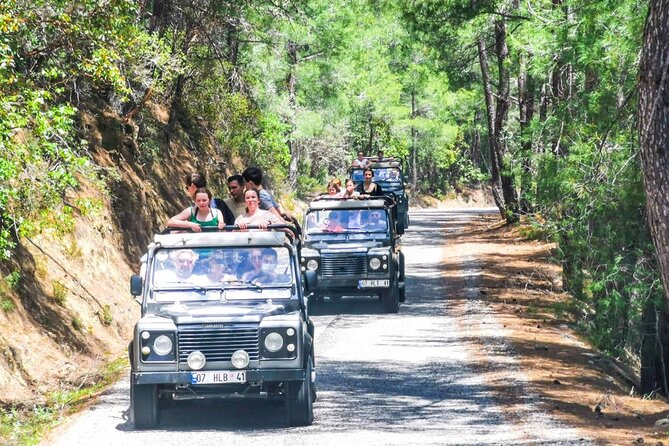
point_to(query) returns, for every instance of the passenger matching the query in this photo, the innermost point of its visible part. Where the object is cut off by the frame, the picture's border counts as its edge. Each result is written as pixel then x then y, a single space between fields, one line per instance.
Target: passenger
pixel 253 268
pixel 380 156
pixel 197 180
pixel 333 189
pixel 269 261
pixel 198 216
pixel 255 216
pixel 374 221
pixel 253 178
pixel 236 202
pixel 350 191
pixel 184 262
pixel 334 223
pixel 360 161
pixel 219 269
pixel 368 187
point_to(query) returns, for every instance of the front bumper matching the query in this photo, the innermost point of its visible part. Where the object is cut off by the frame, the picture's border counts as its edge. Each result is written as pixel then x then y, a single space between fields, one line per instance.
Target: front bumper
pixel 270 375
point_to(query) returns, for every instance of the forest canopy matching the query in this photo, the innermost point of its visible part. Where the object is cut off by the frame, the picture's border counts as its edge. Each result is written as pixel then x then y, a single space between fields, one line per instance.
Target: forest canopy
pixel 537 98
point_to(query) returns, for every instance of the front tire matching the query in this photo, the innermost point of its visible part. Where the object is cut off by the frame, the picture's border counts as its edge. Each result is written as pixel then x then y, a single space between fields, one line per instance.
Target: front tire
pixel 299 399
pixel 390 299
pixel 144 405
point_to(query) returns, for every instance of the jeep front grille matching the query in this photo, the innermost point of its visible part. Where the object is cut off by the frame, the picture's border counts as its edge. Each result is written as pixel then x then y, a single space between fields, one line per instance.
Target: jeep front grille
pixel 218 341
pixel 338 265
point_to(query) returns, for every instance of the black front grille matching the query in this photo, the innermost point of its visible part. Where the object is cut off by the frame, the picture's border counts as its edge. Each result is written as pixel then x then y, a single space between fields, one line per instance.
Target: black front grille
pixel 338 265
pixel 218 341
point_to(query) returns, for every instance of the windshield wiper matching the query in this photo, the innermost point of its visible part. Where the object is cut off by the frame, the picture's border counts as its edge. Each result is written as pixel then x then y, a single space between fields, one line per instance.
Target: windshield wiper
pixel 190 287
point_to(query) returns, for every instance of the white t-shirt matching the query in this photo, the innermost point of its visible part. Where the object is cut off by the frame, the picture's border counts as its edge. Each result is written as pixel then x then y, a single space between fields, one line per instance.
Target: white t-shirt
pixel 260 217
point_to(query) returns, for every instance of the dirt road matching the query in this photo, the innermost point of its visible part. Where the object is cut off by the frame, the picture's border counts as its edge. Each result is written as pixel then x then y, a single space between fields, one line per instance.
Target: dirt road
pixel 457 365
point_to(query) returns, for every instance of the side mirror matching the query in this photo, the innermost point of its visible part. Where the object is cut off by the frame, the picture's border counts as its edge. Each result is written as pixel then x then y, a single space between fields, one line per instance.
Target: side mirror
pixel 136 285
pixel 310 281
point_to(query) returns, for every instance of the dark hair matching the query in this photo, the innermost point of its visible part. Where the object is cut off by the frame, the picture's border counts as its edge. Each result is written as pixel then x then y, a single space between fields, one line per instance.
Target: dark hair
pixel 253 174
pixel 269 252
pixel 368 169
pixel 197 179
pixel 237 178
pixel 349 179
pixel 203 190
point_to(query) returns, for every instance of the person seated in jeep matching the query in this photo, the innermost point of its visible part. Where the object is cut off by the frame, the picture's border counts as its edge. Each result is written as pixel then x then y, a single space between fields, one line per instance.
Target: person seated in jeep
pixel 183 262
pixel 269 264
pixel 333 223
pixel 252 268
pixel 219 269
pixel 374 222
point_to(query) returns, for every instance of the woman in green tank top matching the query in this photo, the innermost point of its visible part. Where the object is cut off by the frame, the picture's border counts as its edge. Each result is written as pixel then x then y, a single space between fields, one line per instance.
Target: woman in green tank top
pixel 198 216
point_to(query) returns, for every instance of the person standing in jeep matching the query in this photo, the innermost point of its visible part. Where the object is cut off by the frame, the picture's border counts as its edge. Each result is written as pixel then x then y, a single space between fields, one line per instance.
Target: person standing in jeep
pixel 369 187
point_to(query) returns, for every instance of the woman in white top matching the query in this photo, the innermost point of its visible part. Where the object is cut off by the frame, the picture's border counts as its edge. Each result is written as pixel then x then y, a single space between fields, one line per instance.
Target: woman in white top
pixel 255 216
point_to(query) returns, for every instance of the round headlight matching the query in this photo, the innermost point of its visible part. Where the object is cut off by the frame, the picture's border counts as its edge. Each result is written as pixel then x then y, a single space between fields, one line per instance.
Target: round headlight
pixel 162 345
pixel 312 265
pixel 240 359
pixel 273 342
pixel 374 263
pixel 196 360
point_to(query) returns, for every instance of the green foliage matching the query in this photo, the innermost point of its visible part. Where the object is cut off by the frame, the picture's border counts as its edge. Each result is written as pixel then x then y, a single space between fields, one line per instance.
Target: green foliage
pixel 51 53
pixel 59 292
pixel 21 426
pixel 13 279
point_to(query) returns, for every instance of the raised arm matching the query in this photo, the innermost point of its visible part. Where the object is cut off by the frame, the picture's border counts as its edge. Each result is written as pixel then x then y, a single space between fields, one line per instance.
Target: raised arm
pixel 181 221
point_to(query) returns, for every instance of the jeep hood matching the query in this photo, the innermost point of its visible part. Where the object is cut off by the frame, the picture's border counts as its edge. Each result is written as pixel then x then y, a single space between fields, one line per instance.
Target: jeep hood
pixel 223 312
pixel 343 246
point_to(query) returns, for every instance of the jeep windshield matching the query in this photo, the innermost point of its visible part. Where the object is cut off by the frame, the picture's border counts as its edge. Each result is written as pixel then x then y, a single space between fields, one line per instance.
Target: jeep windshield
pixel 388 177
pixel 189 274
pixel 346 221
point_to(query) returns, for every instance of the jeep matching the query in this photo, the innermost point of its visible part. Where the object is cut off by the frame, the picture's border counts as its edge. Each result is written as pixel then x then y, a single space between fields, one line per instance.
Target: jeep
pixel 223 316
pixel 388 174
pixel 352 247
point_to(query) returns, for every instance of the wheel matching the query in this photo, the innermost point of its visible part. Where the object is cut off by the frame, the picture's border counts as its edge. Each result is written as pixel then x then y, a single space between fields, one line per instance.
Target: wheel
pixel 299 399
pixel 402 280
pixel 144 405
pixel 390 298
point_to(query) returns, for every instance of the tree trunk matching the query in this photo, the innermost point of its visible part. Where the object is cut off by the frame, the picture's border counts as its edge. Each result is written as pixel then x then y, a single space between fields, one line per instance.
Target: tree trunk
pixel 654 129
pixel 501 119
pixel 292 103
pixel 414 145
pixel 526 87
pixel 475 149
pixel 496 181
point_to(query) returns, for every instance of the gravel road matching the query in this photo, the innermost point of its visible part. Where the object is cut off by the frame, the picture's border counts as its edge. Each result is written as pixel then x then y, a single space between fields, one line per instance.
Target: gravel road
pixel 401 379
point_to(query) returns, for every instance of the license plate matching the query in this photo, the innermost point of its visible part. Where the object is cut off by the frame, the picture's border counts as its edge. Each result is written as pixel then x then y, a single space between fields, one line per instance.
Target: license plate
pixel 373 283
pixel 221 377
